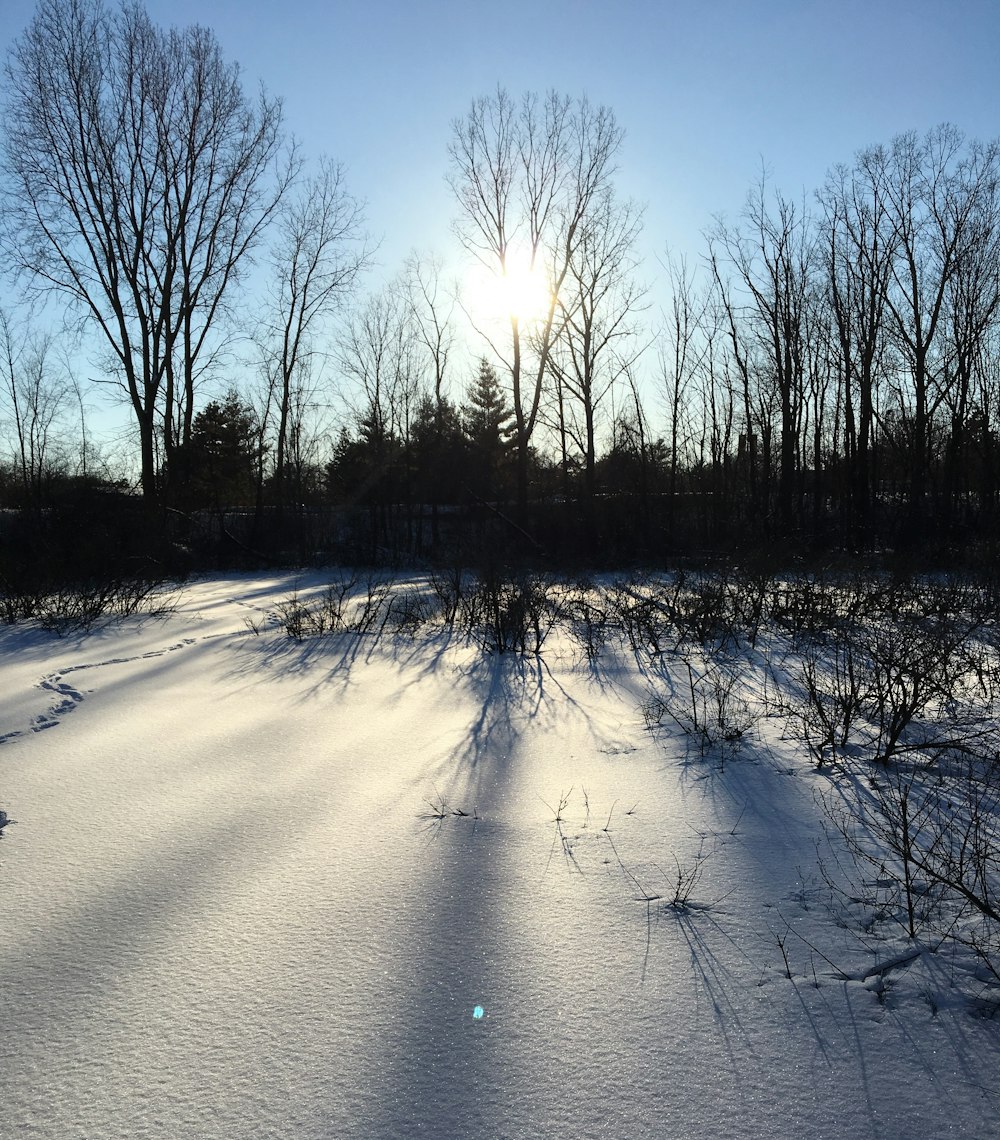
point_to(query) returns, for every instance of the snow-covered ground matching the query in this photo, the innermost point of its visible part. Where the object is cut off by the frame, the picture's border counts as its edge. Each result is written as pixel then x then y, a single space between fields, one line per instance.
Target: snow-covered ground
pixel 259 888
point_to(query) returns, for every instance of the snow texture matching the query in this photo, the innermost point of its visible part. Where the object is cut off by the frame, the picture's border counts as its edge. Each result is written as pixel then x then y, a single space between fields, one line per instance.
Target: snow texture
pixel 240 899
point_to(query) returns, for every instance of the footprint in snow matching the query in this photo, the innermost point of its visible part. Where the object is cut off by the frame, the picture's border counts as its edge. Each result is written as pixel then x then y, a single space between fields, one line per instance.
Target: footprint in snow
pixel 71 697
pixel 618 749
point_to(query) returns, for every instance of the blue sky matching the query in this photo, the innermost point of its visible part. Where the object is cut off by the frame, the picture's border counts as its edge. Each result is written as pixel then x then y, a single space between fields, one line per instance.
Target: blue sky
pixel 707 90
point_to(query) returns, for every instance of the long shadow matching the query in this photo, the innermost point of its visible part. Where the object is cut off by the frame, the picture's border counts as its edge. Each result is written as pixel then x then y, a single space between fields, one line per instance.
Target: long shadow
pixel 460 955
pixel 713 978
pixel 440 1070
pixel 74 960
pixel 444 1071
pixel 765 812
pixel 451 1060
pixel 437 1069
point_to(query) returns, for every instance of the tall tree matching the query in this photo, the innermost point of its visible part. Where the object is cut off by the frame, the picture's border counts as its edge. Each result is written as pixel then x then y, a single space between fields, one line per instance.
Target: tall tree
pixel 376 356
pixel 771 258
pixel 683 350
pixel 857 241
pixel 487 421
pixel 937 192
pixel 972 311
pixel 596 343
pixel 34 396
pixel 526 176
pixel 431 312
pixel 141 177
pixel 319 253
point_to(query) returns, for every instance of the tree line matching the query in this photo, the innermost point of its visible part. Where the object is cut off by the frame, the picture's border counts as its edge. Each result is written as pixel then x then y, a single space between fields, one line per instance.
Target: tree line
pixel 825 376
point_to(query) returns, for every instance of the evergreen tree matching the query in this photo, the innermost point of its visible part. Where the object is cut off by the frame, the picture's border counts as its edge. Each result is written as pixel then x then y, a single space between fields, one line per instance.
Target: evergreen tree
pixel 487 421
pixel 221 457
pixel 438 451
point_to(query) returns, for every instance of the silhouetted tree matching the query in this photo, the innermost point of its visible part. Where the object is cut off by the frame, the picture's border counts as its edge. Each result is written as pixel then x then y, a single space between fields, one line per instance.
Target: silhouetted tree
pixel 377 357
pixel 430 312
pixel 683 350
pixel 439 463
pixel 857 242
pixel 140 177
pixel 220 459
pixel 487 421
pixel 599 304
pixel 34 396
pixel 316 260
pixel 939 194
pixel 771 257
pixel 527 177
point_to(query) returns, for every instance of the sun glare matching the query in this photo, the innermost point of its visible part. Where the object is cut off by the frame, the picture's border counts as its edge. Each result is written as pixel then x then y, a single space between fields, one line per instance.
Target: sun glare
pixel 521 291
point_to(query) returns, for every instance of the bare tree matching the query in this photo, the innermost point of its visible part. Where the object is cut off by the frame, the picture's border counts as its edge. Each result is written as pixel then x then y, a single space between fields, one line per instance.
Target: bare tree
pixel 431 311
pixel 972 307
pixel 526 177
pixel 431 314
pixel 683 351
pixel 596 344
pixel 772 257
pixel 141 178
pixel 35 397
pixel 713 401
pixel 319 254
pixel 857 241
pixel 937 191
pixel 376 356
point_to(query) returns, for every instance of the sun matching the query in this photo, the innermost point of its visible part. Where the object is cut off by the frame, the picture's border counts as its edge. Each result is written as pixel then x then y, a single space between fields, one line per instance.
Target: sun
pixel 521 291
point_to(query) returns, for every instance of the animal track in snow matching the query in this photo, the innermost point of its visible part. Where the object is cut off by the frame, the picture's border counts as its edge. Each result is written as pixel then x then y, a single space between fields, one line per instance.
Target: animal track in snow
pixel 618 749
pixel 67 697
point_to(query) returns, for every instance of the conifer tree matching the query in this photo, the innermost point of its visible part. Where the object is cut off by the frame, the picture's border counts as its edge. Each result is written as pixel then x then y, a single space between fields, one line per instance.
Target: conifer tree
pixel 220 463
pixel 487 421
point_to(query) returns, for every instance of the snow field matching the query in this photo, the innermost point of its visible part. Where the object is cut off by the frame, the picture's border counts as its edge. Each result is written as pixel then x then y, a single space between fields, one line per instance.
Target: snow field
pixel 239 901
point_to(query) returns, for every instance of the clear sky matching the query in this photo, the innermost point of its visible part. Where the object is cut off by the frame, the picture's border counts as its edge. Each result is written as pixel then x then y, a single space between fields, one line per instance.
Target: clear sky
pixel 706 90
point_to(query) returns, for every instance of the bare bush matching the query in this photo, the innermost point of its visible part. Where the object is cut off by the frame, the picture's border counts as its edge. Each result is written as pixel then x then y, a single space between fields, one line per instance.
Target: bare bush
pixel 73 608
pixel 297 618
pixel 708 707
pixel 342 608
pixel 747 597
pixel 449 586
pixel 704 610
pixel 645 614
pixel 333 607
pixel 372 608
pixel 408 612
pixel 808 606
pixel 925 842
pixel 919 670
pixel 588 621
pixel 834 679
pixel 891 667
pixel 511 613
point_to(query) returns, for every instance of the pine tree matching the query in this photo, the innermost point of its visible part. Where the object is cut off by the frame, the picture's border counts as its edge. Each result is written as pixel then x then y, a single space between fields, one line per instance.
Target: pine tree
pixel 220 460
pixel 438 450
pixel 487 421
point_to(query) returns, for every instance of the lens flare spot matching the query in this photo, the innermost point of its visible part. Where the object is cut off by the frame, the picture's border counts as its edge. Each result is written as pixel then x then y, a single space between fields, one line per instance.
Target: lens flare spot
pixel 478 1012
